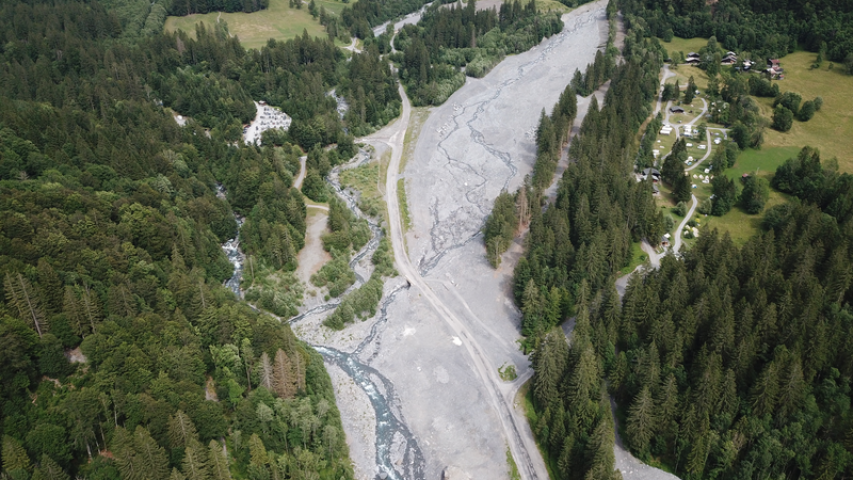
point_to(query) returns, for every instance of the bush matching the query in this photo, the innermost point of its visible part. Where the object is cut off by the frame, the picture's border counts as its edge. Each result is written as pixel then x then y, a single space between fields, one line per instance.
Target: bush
pixel 335 274
pixel 680 209
pixel 783 118
pixel 705 207
pixel 807 111
pixel 383 259
pixel 789 100
pixel 818 102
pixel 361 303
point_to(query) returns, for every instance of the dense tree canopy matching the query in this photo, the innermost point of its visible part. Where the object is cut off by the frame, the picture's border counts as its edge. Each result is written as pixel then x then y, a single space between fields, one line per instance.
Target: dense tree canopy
pixel 112 220
pixel 766 28
pixel 447 39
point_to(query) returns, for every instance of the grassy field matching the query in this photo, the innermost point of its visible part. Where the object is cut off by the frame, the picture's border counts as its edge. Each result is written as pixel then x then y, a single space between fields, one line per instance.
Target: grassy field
pixel 416 123
pixel 406 219
pixel 831 129
pixel 740 225
pixel 638 256
pixel 279 21
pixel 369 180
pixel 686 45
pixel 552 6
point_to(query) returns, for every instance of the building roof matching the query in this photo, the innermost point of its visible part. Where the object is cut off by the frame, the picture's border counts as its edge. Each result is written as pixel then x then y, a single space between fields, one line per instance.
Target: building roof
pixel 676 110
pixel 653 171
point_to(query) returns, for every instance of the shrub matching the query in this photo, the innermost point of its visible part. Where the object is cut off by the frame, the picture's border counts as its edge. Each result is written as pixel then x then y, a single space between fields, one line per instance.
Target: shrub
pixel 783 118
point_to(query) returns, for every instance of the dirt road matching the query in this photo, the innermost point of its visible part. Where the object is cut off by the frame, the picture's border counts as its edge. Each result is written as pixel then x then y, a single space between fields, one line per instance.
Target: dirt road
pixel 509 421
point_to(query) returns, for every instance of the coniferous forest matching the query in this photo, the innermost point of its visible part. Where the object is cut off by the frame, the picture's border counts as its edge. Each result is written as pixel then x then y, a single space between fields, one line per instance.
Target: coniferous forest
pixel 767 28
pixel 433 53
pixel 121 353
pixel 729 362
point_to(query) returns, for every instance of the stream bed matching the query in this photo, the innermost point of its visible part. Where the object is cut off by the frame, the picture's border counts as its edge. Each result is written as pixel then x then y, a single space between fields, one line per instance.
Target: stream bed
pixel 398 455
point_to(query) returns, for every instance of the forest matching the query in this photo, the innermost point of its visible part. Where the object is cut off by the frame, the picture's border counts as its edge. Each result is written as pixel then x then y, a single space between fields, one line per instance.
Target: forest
pixel 122 354
pixel 433 53
pixel 765 28
pixel 573 249
pixel 729 362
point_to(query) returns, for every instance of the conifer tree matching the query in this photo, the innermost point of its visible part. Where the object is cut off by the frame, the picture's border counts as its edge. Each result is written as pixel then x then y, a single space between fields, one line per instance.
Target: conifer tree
pixel 284 381
pixel 641 421
pixel 194 465
pixel 48 469
pixel 22 297
pixel 14 456
pixel 182 432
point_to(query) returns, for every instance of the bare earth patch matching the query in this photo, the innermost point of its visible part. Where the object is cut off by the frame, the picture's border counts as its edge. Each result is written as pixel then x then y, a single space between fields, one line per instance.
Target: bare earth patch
pixel 312 257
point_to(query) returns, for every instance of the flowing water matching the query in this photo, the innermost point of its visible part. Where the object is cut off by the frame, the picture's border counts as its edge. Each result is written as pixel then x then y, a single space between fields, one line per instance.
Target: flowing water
pixel 233 252
pixel 392 433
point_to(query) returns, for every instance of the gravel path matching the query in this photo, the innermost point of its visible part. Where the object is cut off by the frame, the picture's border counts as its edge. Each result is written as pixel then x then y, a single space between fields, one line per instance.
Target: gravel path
pixel 676 245
pixel 299 178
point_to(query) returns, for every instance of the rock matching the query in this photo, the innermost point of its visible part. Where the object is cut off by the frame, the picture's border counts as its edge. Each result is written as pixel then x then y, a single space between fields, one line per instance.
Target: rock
pixel 454 473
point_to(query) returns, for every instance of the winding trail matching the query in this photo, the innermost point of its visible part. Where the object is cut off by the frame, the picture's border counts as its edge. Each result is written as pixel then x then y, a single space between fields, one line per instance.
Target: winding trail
pixel 297 183
pixel 676 244
pixel 666 74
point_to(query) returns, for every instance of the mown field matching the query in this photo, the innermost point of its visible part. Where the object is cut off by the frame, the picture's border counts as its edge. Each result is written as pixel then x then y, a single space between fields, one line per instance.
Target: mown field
pixel 279 21
pixel 686 45
pixel 739 224
pixel 831 129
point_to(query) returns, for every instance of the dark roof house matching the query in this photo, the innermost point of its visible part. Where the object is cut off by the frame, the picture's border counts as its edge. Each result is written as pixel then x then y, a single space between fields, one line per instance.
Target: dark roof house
pixel 676 110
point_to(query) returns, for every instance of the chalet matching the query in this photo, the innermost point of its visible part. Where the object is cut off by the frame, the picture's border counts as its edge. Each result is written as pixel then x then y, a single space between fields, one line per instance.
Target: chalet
pixel 653 172
pixel 773 63
pixel 692 61
pixel 693 55
pixel 676 110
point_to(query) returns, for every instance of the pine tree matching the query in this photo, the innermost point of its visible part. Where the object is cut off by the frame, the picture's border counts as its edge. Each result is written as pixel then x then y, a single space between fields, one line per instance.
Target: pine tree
pixel 284 382
pixel 151 455
pixel 48 469
pixel 298 363
pixel 218 462
pixel 194 465
pixel 14 455
pixel 599 451
pixel 641 421
pixel 182 432
pixel 258 451
pixel 549 365
pixel 21 296
pixel 766 390
pixel 266 372
pixel 564 462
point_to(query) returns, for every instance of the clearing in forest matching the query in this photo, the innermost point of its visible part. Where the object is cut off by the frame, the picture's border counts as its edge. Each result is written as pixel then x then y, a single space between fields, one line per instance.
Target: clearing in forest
pixel 831 128
pixel 279 21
